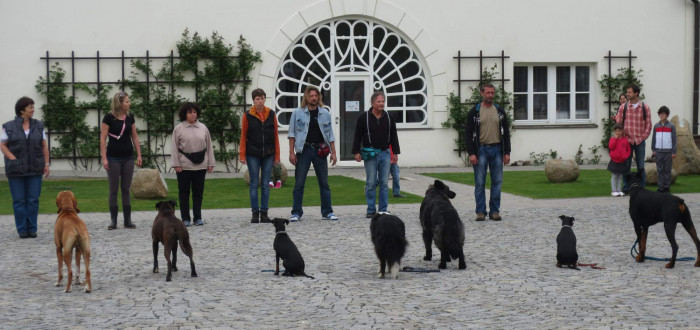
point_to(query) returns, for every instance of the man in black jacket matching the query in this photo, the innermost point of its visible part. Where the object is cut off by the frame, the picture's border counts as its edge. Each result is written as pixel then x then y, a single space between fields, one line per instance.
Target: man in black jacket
pixel 488 145
pixel 374 133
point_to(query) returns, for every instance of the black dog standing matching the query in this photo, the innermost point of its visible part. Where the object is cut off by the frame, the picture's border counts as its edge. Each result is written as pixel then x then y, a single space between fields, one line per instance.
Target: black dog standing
pixel 168 229
pixel 286 250
pixel 566 244
pixel 389 239
pixel 441 222
pixel 648 208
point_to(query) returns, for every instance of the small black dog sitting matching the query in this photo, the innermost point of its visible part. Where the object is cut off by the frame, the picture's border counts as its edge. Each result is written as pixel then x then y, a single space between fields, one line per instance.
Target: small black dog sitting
pixel 566 244
pixel 286 250
pixel 648 208
pixel 389 239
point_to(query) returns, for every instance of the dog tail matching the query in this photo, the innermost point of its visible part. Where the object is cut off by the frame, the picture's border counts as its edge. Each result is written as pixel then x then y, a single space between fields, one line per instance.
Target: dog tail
pixel 311 277
pixel 185 245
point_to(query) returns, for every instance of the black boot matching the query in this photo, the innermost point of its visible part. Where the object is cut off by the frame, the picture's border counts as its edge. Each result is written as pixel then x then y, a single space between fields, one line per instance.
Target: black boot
pixel 113 212
pixel 264 218
pixel 255 218
pixel 127 217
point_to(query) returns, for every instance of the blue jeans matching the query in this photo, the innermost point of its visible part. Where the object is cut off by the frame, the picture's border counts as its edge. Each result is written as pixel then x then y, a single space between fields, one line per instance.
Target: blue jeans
pixel 304 160
pixel 256 165
pixel 638 154
pixel 25 192
pixel 490 159
pixel 377 171
pixel 395 174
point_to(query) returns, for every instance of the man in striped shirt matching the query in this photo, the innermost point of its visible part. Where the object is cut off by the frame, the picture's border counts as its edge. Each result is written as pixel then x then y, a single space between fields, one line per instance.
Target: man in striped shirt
pixel 635 117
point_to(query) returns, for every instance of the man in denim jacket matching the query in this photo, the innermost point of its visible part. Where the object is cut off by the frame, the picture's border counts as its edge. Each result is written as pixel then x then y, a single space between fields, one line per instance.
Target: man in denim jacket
pixel 309 126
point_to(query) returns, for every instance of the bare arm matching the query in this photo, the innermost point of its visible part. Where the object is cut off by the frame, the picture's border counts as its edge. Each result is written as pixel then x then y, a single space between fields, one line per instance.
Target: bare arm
pixel 103 145
pixel 137 145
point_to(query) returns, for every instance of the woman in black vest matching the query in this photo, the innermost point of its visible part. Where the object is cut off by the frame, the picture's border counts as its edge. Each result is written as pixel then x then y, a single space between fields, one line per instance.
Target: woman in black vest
pixel 118 155
pixel 23 143
pixel 260 150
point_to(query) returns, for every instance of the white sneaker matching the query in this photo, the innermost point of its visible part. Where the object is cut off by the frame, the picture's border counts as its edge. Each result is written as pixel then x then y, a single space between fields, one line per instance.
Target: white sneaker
pixel 615 194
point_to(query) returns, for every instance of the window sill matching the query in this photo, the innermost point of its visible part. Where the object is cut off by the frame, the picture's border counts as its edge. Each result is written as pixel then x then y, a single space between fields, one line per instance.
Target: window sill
pixel 546 126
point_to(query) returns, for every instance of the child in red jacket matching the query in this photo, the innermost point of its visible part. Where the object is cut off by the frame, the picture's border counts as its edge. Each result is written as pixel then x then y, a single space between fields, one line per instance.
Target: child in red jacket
pixel 619 152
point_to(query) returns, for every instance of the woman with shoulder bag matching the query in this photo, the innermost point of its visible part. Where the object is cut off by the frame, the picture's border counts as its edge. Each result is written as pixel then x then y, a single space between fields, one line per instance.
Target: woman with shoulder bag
pixel 260 150
pixel 192 157
pixel 118 155
pixel 23 143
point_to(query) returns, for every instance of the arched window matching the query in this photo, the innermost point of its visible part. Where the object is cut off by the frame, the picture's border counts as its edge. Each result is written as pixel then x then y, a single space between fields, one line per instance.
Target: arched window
pixel 354 46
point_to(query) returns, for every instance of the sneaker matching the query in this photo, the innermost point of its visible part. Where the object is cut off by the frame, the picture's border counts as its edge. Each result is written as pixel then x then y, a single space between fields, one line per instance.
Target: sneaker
pixel 294 218
pixel 24 235
pixel 187 223
pixel 271 184
pixel 480 217
pixel 278 184
pixel 198 222
pixel 385 212
pixel 495 216
pixel 400 196
pixel 331 216
pixel 32 235
pixel 615 194
pixel 370 215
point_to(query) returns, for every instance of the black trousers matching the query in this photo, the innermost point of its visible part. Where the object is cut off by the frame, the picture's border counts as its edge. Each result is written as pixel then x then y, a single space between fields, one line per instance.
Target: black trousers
pixel 195 181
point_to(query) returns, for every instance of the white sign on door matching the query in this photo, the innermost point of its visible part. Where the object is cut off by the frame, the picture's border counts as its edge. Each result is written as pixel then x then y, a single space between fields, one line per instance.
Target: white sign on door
pixel 352 106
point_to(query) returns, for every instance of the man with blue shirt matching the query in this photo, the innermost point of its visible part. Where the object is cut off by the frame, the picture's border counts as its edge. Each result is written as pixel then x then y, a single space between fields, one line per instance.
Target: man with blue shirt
pixel 310 127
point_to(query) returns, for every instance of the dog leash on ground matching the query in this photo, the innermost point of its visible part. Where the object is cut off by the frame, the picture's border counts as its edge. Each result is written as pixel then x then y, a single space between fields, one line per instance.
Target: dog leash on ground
pixel 594 266
pixel 409 269
pixel 272 271
pixel 634 253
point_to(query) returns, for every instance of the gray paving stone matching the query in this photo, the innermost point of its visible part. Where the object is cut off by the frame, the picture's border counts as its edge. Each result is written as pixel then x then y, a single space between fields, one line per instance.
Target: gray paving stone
pixel 510 282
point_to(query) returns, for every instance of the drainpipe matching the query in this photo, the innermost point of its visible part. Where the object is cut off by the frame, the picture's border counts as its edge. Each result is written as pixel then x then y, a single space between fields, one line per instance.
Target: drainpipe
pixel 696 66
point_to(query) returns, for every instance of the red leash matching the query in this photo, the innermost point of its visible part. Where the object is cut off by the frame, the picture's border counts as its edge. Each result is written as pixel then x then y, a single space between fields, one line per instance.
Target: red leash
pixel 594 266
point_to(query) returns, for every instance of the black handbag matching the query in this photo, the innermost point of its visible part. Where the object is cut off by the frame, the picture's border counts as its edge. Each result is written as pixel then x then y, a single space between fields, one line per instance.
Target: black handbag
pixel 194 157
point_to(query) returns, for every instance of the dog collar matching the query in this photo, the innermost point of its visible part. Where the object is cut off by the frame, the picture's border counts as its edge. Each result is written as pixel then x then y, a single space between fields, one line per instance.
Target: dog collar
pixel 635 185
pixel 281 232
pixel 566 226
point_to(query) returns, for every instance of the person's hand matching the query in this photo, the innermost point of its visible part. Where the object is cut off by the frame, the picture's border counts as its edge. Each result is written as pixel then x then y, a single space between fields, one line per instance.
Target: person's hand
pixel 673 155
pixel 47 171
pixel 358 157
pixel 473 160
pixel 293 158
pixel 105 163
pixel 394 158
pixel 275 163
pixel 210 169
pixel 243 161
pixel 178 169
pixel 334 159
pixel 139 161
pixel 653 153
pixel 506 159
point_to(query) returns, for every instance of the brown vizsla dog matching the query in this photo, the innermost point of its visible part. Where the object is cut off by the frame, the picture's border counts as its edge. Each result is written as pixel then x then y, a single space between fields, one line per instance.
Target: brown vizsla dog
pixel 70 232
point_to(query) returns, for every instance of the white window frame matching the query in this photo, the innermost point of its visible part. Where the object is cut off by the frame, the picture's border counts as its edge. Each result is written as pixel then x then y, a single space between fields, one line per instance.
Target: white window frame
pixel 552 93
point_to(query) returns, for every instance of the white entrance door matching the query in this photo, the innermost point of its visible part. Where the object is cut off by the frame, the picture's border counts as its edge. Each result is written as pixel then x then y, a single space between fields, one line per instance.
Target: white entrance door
pixel 350 97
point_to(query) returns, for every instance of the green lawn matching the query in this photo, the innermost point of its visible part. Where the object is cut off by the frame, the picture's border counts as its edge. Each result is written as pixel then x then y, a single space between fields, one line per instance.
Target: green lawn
pixel 218 193
pixel 534 184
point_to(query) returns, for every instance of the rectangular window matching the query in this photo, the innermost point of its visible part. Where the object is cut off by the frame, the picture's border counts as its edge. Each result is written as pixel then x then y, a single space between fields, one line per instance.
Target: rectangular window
pixel 566 99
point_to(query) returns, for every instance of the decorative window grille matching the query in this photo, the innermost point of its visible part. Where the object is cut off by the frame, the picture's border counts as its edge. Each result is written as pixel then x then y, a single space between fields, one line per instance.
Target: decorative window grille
pixel 354 46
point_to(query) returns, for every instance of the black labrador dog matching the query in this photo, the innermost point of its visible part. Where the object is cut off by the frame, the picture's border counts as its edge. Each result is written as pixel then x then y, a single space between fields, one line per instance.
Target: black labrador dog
pixel 286 250
pixel 389 239
pixel 441 223
pixel 566 244
pixel 648 208
pixel 169 230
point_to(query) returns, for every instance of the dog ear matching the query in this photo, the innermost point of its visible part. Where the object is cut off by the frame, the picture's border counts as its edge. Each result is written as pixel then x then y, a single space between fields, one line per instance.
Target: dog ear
pixel 439 185
pixel 158 205
pixel 75 206
pixel 562 217
pixel 172 203
pixel 286 222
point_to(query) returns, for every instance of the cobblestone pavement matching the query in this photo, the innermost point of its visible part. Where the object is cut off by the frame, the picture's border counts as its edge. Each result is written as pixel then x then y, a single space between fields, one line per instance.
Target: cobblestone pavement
pixel 510 282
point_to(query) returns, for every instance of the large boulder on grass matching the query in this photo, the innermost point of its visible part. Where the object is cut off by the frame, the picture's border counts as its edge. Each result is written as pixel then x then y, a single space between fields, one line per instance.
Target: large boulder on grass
pixel 559 170
pixel 149 184
pixel 653 175
pixel 283 177
pixel 687 159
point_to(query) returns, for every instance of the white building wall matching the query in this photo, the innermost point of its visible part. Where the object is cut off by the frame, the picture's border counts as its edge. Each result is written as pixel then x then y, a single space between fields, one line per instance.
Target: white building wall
pixel 659 33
